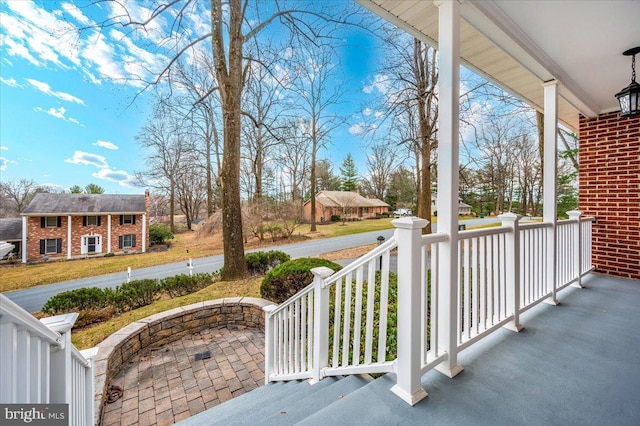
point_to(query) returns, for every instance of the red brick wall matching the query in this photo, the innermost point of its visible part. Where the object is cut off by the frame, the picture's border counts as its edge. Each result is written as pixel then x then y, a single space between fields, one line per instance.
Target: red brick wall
pixel 610 191
pixel 35 233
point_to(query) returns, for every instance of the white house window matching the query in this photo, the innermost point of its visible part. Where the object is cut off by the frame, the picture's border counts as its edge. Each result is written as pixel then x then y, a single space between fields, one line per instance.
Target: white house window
pixel 51 246
pixel 127 241
pixel 127 219
pixel 51 222
pixel 92 220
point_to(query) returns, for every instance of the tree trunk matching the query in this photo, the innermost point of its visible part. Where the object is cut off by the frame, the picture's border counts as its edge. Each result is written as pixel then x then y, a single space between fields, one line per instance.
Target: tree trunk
pixel 231 85
pixel 172 205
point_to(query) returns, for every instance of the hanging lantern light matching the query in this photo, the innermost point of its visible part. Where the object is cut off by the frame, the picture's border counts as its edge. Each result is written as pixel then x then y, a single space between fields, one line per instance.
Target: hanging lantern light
pixel 629 97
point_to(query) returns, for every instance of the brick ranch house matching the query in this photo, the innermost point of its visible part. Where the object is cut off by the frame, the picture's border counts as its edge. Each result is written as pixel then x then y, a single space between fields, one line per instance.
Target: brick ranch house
pixel 339 203
pixel 79 225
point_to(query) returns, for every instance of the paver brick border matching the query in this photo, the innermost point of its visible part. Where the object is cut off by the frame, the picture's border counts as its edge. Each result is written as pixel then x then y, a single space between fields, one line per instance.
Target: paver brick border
pixel 165 327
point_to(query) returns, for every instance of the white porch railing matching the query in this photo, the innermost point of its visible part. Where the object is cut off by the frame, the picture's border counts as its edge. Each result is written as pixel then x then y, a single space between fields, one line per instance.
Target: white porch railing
pixel 503 271
pixel 40 365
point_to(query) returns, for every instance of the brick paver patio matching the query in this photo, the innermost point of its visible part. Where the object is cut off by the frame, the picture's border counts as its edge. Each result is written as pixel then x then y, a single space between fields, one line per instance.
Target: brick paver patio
pixel 168 384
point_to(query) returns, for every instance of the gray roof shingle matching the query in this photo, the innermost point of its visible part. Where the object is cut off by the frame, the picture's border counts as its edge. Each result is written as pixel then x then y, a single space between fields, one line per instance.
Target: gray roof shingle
pixel 44 204
pixel 11 229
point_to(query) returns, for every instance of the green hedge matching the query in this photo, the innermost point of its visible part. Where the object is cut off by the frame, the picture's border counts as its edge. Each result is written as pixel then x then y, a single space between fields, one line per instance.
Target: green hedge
pixel 125 297
pixel 290 277
pixel 260 262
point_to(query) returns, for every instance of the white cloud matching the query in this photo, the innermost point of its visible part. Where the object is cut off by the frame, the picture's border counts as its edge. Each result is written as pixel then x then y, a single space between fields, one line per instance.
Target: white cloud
pixel 73 10
pixel 59 113
pixel 88 159
pixel 46 89
pixel 378 114
pixel 105 144
pixel 380 83
pixel 367 111
pixel 10 82
pixel 119 176
pixel 4 162
pixel 4 148
pixel 361 128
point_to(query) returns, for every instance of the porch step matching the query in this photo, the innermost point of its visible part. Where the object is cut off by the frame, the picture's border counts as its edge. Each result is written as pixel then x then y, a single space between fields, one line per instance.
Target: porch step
pixel 279 403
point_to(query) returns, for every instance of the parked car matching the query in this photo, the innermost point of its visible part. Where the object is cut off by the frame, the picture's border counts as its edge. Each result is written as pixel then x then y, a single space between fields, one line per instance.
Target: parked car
pixel 402 212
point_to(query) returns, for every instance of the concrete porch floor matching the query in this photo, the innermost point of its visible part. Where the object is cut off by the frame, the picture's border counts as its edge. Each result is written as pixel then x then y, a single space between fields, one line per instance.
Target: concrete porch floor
pixel 576 363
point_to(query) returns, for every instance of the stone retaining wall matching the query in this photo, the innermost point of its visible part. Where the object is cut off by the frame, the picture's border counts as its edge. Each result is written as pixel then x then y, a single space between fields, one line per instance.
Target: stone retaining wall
pixel 160 329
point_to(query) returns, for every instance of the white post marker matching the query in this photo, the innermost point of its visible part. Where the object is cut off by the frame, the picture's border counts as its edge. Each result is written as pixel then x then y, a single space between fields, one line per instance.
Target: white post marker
pixel 190 265
pixel 129 274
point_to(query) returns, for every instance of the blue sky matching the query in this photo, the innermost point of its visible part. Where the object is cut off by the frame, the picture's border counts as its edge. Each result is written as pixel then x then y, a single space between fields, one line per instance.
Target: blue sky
pixel 68 115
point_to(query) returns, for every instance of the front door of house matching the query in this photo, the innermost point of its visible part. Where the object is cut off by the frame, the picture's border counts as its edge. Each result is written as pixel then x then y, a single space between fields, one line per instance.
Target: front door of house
pixel 91 244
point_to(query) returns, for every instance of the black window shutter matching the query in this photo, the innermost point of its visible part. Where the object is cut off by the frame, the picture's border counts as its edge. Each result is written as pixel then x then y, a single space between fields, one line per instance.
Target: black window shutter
pixel 43 244
pixel 98 220
pixel 121 219
pixel 120 240
pixel 59 245
pixel 42 222
pixel 134 218
pixel 133 240
pixel 59 221
pixel 84 221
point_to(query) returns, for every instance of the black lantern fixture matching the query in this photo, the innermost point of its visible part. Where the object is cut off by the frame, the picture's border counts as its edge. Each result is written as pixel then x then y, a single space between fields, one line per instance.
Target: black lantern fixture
pixel 629 97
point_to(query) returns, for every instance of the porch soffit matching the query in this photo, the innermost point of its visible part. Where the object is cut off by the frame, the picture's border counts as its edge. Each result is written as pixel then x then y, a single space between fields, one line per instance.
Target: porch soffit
pixel 518 45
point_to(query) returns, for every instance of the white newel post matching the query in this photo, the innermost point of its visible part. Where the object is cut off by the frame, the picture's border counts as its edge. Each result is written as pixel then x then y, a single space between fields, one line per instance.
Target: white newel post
pixel 321 322
pixel 512 251
pixel 269 337
pixel 61 374
pixel 409 237
pixel 550 184
pixel 574 216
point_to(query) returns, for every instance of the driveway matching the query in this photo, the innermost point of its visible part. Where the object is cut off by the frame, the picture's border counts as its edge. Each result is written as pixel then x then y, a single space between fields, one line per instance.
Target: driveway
pixel 33 299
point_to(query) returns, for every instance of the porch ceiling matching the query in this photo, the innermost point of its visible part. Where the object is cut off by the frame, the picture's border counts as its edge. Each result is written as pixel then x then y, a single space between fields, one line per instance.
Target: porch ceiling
pixel 519 44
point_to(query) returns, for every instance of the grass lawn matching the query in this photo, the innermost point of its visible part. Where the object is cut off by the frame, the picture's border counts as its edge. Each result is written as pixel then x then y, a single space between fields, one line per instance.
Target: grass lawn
pixel 185 245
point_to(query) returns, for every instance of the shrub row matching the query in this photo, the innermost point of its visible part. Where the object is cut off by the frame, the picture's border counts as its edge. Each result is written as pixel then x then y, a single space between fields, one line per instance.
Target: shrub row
pixel 125 297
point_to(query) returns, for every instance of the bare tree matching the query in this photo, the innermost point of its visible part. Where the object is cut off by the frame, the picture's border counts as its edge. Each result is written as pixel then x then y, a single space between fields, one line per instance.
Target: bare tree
pixel 294 160
pixel 313 81
pixel 381 162
pixel 18 195
pixel 165 141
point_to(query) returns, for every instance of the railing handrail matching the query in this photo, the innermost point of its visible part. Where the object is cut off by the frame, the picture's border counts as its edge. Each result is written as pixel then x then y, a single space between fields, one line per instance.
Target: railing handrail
pixel 434 238
pixel 289 301
pixel 378 251
pixel 474 233
pixel 28 321
pixel 75 353
pixel 534 225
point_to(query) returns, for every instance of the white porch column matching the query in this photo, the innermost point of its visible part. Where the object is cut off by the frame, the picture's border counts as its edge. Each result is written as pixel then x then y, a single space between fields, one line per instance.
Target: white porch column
pixel 550 182
pixel 24 239
pixel 144 232
pixel 409 236
pixel 69 245
pixel 108 233
pixel 448 180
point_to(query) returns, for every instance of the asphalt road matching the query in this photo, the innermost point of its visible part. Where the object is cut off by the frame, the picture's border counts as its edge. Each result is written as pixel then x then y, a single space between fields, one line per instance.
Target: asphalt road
pixel 33 299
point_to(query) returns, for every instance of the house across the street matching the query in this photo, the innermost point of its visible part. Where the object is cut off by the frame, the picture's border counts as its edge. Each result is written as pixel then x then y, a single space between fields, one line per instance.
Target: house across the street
pixel 346 204
pixel 78 225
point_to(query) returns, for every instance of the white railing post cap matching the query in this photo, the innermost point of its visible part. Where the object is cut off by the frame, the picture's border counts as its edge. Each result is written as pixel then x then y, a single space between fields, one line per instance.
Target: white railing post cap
pixel 269 308
pixel 509 217
pixel 61 323
pixel 412 222
pixel 574 214
pixel 322 272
